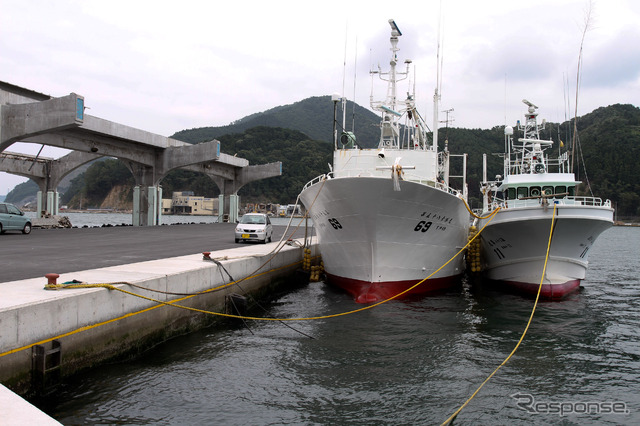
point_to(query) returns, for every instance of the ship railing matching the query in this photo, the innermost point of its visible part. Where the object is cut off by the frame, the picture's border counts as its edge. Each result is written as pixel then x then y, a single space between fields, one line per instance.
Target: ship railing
pixel 566 201
pixel 367 173
pixel 317 179
pixel 430 182
pixel 587 201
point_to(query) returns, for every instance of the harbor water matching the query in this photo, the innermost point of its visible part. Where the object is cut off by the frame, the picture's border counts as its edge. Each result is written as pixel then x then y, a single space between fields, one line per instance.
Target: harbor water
pixel 401 363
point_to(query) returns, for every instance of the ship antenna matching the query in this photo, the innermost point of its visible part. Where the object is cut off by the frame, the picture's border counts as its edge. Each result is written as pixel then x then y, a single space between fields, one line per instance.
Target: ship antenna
pixel 587 26
pixel 344 72
pixel 436 95
pixel 505 99
pixel 355 71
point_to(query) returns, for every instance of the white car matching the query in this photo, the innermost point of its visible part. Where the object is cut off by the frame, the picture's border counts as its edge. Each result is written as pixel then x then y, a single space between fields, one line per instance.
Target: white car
pixel 254 227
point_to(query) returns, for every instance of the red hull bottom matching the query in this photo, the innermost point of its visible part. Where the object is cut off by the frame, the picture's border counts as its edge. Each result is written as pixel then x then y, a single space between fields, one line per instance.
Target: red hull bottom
pixel 368 292
pixel 548 291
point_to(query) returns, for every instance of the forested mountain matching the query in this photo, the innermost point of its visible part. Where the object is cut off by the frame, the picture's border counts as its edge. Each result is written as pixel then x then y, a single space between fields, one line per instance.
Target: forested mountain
pixel 299 135
pixel 610 141
pixel 311 116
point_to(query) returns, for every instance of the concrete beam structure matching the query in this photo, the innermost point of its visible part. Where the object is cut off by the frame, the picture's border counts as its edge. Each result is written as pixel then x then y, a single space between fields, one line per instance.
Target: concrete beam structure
pixel 21 121
pixel 61 122
pixel 46 172
pixel 230 179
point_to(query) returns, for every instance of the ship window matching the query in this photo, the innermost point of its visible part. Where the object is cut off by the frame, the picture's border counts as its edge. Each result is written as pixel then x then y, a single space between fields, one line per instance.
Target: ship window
pixel 523 191
pixel 547 190
pixel 511 194
pixel 535 191
pixel 561 190
pixel 572 191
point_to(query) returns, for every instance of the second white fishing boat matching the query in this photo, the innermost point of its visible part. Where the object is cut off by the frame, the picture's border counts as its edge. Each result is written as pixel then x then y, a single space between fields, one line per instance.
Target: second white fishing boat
pixel 514 243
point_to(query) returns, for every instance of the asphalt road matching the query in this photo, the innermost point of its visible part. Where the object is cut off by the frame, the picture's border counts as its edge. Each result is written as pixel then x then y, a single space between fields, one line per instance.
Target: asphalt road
pixel 77 249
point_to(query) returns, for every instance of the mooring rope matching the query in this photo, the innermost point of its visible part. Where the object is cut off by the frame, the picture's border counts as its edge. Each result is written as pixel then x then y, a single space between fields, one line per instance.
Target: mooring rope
pixel 364 308
pixel 112 286
pixel 475 215
pixel 544 270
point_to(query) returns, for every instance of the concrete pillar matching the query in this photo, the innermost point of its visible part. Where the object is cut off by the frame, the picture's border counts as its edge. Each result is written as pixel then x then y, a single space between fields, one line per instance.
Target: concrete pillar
pixel 39 204
pixel 147 206
pixel 151 206
pixel 220 208
pixel 228 206
pixel 234 204
pixel 52 202
pixel 159 215
pixel 154 205
pixel 135 219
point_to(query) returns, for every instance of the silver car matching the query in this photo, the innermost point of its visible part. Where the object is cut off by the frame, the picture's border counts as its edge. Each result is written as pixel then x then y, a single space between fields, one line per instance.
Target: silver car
pixel 12 218
pixel 254 227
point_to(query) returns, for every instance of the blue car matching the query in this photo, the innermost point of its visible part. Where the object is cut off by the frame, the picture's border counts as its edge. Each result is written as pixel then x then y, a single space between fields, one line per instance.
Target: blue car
pixel 13 219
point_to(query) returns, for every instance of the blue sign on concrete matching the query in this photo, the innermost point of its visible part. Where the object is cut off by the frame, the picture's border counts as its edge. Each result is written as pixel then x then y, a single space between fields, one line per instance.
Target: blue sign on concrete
pixel 80 109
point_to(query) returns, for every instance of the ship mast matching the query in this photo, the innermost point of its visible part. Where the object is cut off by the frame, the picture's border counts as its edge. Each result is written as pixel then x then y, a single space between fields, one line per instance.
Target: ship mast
pixel 436 94
pixel 391 88
pixel 390 133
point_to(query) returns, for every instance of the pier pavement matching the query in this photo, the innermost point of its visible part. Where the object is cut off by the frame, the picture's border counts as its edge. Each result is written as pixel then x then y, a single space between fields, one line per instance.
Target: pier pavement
pixel 77 249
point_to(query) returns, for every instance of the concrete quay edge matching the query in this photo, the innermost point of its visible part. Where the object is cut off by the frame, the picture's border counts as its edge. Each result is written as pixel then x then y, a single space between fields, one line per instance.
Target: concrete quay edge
pixel 95 324
pixel 18 412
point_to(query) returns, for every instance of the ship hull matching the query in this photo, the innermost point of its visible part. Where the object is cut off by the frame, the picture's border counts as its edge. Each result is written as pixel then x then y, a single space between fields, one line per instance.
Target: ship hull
pixel 377 243
pixel 514 246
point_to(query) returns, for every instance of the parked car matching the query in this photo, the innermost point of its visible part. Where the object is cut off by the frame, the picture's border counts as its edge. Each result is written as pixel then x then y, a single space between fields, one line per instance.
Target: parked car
pixel 254 227
pixel 13 219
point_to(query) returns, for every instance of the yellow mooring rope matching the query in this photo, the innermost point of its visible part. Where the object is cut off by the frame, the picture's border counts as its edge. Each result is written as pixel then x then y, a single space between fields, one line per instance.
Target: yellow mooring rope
pixel 475 215
pixel 111 287
pixel 544 270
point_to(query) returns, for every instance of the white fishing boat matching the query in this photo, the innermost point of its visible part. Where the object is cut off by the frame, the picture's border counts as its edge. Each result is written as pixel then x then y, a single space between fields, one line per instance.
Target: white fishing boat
pixel 386 218
pixel 514 243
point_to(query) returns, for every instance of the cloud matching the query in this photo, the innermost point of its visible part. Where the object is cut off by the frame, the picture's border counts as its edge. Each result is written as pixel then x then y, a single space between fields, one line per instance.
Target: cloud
pixel 163 66
pixel 615 63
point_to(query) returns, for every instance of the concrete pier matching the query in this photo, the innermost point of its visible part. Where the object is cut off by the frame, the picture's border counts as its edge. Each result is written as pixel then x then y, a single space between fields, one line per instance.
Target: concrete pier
pixel 91 325
pixel 18 412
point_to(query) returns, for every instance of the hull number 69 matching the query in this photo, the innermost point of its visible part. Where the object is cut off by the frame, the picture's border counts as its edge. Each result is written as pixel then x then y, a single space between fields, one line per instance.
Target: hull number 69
pixel 422 226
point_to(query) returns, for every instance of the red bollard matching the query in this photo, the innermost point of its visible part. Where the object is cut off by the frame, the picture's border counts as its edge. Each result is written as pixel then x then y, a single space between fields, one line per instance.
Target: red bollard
pixel 52 278
pixel 206 254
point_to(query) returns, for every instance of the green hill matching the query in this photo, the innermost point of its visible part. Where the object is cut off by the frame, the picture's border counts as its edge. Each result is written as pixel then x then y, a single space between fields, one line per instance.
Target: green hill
pixel 311 116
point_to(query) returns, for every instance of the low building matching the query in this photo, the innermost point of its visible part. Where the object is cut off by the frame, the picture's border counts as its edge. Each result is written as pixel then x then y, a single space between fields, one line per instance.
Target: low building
pixel 186 203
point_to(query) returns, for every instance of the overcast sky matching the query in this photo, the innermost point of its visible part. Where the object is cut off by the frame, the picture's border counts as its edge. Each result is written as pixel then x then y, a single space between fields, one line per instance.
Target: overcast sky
pixel 165 66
